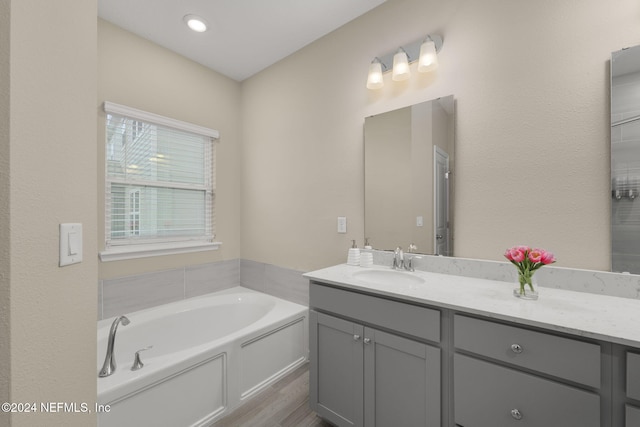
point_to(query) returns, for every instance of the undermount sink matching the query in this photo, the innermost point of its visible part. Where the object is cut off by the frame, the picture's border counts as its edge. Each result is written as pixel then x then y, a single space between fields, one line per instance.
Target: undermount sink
pixel 387 277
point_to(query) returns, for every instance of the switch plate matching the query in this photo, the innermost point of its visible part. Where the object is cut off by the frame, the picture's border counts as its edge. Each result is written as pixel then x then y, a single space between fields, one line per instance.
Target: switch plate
pixel 342 224
pixel 419 221
pixel 70 244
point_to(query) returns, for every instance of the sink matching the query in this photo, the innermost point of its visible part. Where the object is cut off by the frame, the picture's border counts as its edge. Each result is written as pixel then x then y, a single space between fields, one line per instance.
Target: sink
pixel 387 277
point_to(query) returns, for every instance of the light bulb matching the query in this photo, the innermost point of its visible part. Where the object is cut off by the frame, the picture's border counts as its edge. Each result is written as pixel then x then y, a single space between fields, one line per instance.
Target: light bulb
pixel 374 80
pixel 401 69
pixel 196 23
pixel 428 60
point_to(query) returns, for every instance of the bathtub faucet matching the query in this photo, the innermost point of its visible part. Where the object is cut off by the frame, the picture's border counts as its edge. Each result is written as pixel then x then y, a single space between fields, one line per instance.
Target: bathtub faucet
pixel 109 365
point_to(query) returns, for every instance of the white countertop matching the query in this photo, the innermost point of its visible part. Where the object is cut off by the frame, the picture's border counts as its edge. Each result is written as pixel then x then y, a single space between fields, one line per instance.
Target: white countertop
pixel 601 317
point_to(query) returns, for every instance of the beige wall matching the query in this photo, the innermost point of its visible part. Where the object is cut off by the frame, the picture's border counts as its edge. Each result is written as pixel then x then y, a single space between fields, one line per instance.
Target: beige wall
pixel 531 85
pixel 135 72
pixel 48 140
pixel 5 225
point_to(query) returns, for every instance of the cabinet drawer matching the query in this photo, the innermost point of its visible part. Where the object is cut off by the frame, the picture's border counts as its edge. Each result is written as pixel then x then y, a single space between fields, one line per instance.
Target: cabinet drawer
pixel 633 375
pixel 409 319
pixel 632 416
pixel 561 357
pixel 490 395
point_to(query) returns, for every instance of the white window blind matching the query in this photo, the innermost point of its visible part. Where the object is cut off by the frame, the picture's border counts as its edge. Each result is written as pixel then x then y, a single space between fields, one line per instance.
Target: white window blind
pixel 159 183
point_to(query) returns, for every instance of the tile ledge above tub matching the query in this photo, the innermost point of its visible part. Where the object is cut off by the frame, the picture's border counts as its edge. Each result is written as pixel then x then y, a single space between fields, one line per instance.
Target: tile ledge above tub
pixel 584 314
pixel 124 252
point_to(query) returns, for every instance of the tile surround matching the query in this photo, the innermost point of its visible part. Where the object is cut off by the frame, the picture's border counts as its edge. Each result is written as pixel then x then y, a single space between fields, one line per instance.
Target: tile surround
pixel 273 280
pixel 131 293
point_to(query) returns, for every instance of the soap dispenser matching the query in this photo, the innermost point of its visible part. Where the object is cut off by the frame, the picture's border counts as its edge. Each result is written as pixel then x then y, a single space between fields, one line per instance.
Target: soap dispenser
pixel 354 254
pixel 366 243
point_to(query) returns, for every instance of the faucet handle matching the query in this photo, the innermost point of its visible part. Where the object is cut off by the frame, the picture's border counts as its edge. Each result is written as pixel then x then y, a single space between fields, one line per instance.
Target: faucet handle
pixel 408 265
pixel 137 363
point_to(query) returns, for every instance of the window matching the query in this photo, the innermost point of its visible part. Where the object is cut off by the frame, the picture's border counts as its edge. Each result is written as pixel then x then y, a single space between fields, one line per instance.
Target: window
pixel 159 185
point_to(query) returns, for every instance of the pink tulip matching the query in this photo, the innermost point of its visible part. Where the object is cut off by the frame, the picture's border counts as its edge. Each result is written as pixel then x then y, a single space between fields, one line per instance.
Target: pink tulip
pixel 547 258
pixel 516 254
pixel 535 255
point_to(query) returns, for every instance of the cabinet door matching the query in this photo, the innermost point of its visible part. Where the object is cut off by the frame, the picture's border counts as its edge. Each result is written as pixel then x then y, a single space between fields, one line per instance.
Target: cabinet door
pixel 632 416
pixel 336 369
pixel 488 395
pixel 401 381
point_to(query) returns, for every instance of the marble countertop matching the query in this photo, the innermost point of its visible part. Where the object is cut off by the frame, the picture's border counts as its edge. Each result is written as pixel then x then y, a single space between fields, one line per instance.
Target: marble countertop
pixel 606 318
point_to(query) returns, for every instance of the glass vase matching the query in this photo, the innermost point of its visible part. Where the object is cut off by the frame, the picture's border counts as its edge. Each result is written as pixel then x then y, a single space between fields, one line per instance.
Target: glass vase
pixel 526 287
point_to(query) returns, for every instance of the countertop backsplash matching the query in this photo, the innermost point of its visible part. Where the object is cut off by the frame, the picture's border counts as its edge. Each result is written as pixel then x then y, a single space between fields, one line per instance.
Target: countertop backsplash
pixel 597 282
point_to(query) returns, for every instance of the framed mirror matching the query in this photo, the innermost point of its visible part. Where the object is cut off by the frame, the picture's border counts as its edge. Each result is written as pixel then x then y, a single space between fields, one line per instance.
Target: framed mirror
pixel 409 162
pixel 625 160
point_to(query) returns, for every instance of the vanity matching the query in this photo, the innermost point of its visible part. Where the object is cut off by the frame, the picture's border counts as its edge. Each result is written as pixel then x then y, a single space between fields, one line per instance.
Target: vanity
pixel 394 348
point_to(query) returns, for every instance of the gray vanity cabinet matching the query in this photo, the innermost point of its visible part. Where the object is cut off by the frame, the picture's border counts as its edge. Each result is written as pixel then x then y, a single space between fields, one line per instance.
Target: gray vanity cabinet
pixel 337 369
pixel 632 411
pixel 364 374
pixel 510 376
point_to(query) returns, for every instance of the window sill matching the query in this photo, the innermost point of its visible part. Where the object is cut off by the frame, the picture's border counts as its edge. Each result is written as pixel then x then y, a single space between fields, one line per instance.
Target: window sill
pixel 120 253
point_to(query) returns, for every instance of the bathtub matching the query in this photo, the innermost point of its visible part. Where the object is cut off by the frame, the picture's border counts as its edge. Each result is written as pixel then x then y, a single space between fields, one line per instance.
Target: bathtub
pixel 209 355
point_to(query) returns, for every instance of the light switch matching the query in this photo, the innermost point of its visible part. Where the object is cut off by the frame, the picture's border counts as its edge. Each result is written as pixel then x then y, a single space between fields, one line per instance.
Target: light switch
pixel 342 224
pixel 419 221
pixel 70 244
pixel 73 243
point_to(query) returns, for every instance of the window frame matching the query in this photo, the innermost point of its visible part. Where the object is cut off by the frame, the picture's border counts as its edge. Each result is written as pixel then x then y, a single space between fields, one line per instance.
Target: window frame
pixel 146 248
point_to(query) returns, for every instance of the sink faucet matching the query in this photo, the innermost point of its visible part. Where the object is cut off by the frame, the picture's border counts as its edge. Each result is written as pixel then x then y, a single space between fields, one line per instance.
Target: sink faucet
pixel 398 259
pixel 109 365
pixel 400 263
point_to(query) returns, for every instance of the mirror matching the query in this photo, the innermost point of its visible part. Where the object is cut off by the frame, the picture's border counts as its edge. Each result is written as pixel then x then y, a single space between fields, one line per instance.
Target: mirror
pixel 408 164
pixel 625 160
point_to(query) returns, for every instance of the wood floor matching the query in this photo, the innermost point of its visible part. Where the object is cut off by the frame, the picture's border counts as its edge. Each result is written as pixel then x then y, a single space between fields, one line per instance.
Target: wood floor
pixel 284 404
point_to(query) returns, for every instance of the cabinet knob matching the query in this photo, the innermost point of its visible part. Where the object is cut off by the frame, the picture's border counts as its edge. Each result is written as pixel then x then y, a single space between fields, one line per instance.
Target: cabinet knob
pixel 516 414
pixel 356 337
pixel 367 340
pixel 516 348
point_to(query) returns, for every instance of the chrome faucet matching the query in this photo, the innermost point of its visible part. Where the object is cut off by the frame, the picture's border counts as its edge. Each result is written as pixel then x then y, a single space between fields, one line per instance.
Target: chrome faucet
pixel 109 365
pixel 400 263
pixel 398 259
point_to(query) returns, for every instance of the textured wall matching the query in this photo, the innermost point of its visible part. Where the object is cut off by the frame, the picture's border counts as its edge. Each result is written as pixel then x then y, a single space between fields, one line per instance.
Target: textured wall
pixel 52 179
pixel 531 84
pixel 5 244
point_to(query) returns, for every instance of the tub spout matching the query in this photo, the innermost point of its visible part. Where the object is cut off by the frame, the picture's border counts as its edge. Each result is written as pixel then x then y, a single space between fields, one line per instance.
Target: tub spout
pixel 109 365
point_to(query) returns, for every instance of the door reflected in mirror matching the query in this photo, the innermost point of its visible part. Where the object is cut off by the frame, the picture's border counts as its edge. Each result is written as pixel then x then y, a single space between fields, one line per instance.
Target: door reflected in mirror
pixel 408 163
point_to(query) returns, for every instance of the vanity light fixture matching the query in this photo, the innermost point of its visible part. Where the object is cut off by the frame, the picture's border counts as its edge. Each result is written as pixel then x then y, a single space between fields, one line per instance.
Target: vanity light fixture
pixel 401 70
pixel 196 23
pixel 424 50
pixel 374 81
pixel 428 59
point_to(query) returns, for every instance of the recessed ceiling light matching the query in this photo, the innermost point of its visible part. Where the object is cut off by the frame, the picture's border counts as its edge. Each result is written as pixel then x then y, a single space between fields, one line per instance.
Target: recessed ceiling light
pixel 196 23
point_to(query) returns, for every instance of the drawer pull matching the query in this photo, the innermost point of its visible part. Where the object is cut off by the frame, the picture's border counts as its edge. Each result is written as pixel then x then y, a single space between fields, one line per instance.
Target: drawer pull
pixel 516 414
pixel 516 348
pixel 367 340
pixel 356 337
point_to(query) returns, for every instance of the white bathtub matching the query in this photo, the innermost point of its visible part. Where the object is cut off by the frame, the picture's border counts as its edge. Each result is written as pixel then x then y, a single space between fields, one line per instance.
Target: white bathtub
pixel 209 355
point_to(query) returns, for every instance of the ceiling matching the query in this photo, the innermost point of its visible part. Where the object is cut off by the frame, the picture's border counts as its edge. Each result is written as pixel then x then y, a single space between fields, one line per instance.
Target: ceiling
pixel 244 36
